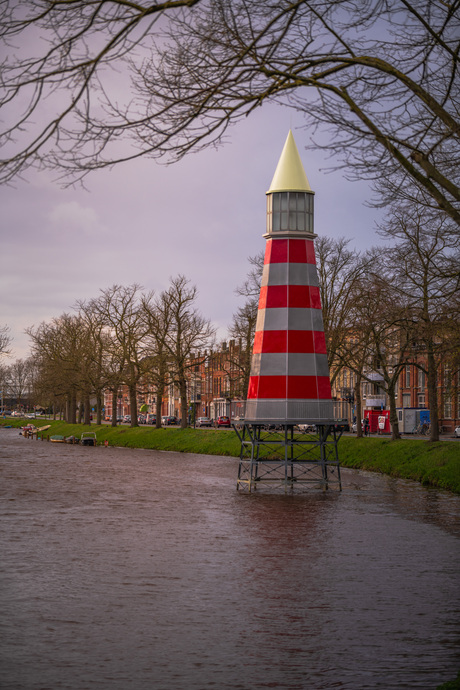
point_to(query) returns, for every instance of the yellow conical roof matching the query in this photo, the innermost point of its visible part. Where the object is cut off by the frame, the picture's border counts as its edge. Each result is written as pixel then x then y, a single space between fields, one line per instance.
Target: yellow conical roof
pixel 289 174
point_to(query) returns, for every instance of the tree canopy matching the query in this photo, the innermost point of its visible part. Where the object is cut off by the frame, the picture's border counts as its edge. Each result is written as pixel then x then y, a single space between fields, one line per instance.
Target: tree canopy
pixel 377 80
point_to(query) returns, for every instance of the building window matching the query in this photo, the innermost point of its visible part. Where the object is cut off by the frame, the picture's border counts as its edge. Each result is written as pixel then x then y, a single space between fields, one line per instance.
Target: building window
pixel 421 379
pixel 421 399
pixel 406 400
pixel 448 409
pixel 407 373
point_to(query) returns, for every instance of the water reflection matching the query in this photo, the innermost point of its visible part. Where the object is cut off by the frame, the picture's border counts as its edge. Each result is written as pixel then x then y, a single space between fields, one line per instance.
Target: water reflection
pixel 136 569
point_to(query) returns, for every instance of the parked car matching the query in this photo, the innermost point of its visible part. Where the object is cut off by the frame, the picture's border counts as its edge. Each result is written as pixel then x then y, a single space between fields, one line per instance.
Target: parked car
pixel 127 418
pixel 342 424
pixel 222 421
pixel 306 428
pixel 168 420
pixel 203 421
pixel 457 431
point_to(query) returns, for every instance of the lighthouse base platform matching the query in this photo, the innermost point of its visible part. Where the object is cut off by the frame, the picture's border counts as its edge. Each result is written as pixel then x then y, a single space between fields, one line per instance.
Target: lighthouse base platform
pixel 278 456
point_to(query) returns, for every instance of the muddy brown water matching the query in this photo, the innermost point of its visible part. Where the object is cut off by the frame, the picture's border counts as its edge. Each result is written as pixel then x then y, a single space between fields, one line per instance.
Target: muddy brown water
pixel 129 569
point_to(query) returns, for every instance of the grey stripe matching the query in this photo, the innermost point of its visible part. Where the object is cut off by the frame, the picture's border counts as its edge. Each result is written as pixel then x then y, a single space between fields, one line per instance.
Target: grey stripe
pixel 289 364
pixel 290 274
pixel 314 411
pixel 283 319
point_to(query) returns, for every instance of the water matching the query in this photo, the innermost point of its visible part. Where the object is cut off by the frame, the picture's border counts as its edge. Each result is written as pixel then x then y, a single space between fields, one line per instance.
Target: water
pixel 128 569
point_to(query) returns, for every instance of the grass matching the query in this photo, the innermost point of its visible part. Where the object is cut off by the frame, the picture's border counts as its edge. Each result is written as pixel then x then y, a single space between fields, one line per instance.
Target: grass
pixel 432 464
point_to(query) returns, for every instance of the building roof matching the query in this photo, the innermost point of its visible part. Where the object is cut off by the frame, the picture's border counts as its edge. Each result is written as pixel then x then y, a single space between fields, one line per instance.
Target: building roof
pixel 289 174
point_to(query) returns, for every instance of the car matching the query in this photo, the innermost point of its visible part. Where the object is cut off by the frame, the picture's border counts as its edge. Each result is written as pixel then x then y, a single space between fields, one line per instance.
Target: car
pixel 151 419
pixel 168 420
pixel 127 418
pixel 342 424
pixel 457 431
pixel 306 428
pixel 222 422
pixel 203 421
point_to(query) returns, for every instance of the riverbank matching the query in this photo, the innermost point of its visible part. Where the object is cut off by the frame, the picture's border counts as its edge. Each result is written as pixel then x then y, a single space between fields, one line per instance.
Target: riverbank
pixel 431 464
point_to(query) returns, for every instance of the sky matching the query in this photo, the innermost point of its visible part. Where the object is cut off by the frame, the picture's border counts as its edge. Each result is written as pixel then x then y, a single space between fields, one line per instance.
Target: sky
pixel 144 222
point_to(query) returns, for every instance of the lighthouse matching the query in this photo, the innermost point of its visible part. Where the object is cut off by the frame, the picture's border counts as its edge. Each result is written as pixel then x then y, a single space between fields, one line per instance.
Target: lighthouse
pixel 289 380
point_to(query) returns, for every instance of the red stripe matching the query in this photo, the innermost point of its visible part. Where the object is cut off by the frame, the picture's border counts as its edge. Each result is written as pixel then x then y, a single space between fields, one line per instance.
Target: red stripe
pixel 296 296
pixel 289 387
pixel 289 341
pixel 294 251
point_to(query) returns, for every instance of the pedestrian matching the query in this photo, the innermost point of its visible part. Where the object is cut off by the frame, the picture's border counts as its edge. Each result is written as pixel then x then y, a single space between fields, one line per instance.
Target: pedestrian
pixel 366 426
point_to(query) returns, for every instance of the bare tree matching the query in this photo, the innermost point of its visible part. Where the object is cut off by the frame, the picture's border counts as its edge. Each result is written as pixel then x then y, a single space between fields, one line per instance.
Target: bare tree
pixel 158 317
pixel 383 325
pixel 340 271
pixel 243 325
pixel 20 380
pixel 424 269
pixel 61 347
pixel 242 329
pixel 379 81
pixel 96 372
pixel 5 341
pixel 119 310
pixel 189 333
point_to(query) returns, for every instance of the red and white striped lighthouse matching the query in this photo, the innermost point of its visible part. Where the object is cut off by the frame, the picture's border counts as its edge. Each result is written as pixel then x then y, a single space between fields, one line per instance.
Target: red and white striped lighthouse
pixel 289 381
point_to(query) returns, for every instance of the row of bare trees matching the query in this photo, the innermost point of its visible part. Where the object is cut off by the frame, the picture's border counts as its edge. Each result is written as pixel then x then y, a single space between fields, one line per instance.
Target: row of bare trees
pixel 383 309
pixel 123 337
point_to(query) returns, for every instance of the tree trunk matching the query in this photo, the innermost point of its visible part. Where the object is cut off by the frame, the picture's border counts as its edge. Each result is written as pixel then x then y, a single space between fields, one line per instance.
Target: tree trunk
pixel 395 435
pixel 99 408
pixel 183 401
pixel 158 405
pixel 433 394
pixel 133 405
pixel 359 431
pixel 114 406
pixel 72 408
pixel 87 410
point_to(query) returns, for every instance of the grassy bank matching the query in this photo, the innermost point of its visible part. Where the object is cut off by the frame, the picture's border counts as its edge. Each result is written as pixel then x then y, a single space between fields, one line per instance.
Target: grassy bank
pixel 432 464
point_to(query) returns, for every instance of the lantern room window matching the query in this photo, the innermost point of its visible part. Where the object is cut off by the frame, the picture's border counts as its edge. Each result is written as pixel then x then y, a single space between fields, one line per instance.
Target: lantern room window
pixel 290 212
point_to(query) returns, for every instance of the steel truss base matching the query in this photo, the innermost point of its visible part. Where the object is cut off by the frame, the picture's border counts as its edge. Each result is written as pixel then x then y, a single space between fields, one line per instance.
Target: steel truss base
pixel 281 457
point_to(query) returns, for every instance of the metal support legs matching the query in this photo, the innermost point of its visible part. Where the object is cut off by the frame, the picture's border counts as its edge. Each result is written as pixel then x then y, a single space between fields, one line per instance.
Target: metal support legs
pixel 283 458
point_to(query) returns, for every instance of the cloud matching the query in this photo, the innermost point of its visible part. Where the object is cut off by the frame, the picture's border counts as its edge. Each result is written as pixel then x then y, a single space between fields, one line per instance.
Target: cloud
pixel 72 217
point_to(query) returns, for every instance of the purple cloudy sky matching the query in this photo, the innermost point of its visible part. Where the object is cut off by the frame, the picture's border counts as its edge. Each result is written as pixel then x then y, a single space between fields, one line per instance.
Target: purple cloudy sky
pixel 143 222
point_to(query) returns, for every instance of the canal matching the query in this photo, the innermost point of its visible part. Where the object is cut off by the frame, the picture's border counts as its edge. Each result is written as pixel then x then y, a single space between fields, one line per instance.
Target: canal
pixel 142 570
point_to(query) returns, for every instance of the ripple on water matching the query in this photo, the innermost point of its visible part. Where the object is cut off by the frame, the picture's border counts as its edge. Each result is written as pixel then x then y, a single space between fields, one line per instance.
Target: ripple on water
pixel 125 569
